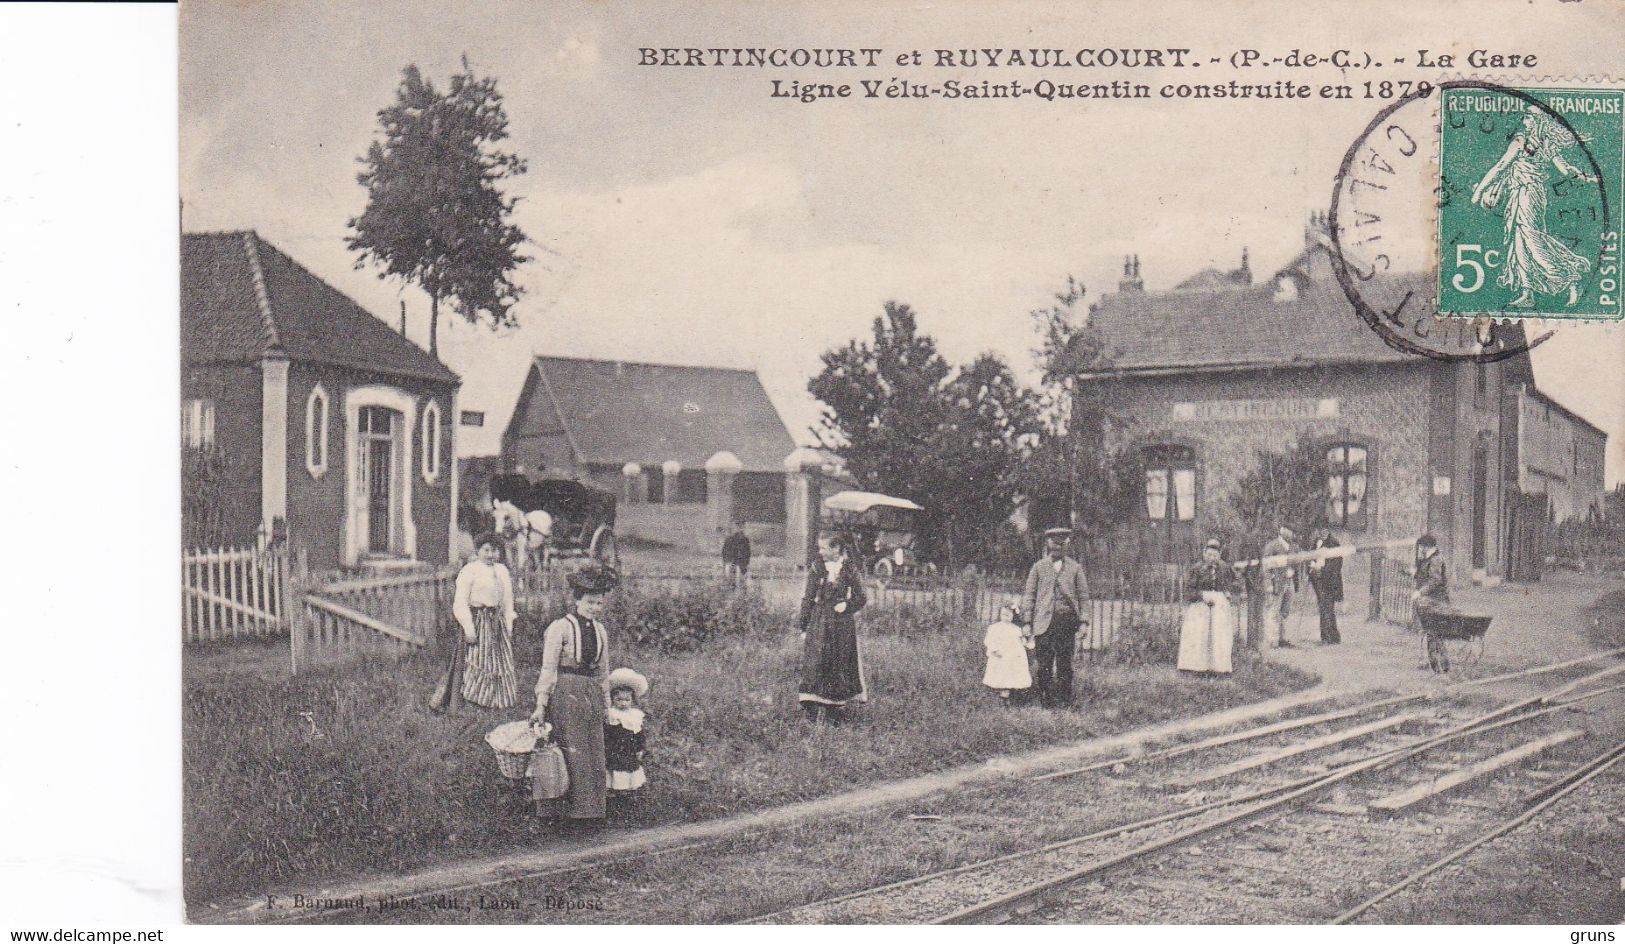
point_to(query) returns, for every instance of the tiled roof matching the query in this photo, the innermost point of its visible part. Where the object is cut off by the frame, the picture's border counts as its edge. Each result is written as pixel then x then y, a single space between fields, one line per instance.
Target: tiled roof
pixel 242 298
pixel 1300 316
pixel 617 412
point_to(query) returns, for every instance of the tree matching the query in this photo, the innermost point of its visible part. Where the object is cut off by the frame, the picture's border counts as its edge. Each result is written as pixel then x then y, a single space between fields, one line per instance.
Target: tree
pixel 908 425
pixel 1286 487
pixel 1100 486
pixel 435 215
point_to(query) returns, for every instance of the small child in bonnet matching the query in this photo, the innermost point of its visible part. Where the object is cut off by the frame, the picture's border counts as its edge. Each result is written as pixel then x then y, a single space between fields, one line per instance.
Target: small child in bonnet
pixel 1007 644
pixel 623 732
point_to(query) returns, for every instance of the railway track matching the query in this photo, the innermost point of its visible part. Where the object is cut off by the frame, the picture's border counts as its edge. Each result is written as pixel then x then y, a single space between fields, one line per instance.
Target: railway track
pixel 1244 799
pixel 1367 795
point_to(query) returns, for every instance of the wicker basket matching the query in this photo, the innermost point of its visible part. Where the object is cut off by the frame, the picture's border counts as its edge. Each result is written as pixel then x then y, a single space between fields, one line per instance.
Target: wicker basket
pixel 513 743
pixel 512 765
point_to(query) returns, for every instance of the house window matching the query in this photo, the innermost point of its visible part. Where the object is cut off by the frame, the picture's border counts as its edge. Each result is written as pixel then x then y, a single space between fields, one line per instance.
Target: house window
pixel 316 432
pixel 472 418
pixel 1348 482
pixel 431 442
pixel 1170 483
pixel 197 424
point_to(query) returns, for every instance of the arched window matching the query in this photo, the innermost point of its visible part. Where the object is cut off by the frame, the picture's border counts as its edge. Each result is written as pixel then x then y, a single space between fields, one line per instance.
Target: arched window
pixel 1348 483
pixel 316 432
pixel 431 442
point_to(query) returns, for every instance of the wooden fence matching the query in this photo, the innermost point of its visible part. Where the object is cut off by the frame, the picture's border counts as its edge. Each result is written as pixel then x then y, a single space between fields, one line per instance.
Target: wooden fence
pixel 1391 587
pixel 232 593
pixel 394 616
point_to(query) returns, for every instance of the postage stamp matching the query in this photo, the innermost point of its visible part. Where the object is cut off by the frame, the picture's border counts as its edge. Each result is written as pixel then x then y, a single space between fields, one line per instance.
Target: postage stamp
pixel 1530 198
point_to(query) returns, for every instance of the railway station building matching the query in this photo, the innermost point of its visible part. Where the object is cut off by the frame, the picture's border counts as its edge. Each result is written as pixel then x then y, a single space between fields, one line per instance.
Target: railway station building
pixel 1203 378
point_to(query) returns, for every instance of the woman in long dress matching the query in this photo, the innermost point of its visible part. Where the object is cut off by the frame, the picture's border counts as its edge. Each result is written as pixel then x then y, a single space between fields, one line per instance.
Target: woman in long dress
pixel 570 693
pixel 1535 260
pixel 1208 632
pixel 831 666
pixel 484 609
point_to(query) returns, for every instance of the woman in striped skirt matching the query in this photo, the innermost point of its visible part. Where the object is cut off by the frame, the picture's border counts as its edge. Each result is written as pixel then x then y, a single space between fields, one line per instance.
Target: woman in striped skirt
pixel 484 609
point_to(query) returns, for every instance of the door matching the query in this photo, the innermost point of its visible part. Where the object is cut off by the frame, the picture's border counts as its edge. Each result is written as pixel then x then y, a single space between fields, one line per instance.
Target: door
pixel 1481 471
pixel 379 427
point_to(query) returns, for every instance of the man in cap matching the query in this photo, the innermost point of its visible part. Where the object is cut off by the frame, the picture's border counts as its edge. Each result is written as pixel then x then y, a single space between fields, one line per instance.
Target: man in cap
pixel 1280 583
pixel 1054 600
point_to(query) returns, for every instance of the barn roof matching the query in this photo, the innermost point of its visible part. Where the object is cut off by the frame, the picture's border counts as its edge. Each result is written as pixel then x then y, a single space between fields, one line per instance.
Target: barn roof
pixel 242 298
pixel 1298 317
pixel 615 412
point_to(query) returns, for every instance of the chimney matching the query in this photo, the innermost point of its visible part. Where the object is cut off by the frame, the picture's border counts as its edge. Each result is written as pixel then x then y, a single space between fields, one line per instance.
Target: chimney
pixel 1131 281
pixel 1315 232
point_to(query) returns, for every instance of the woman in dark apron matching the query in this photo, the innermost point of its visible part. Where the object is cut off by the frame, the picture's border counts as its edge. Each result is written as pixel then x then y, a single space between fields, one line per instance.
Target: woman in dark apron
pixel 570 694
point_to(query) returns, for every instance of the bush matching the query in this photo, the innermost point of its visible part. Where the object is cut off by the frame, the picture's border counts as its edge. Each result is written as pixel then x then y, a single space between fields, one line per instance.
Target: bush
pixel 1144 642
pixel 685 619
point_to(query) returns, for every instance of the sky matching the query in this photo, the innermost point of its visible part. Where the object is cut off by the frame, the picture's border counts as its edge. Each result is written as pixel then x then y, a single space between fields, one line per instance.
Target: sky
pixel 683 215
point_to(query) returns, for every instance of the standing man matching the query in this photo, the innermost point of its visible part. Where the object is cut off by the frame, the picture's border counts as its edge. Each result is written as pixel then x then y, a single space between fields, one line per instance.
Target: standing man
pixel 1054 600
pixel 1326 576
pixel 736 557
pixel 1280 583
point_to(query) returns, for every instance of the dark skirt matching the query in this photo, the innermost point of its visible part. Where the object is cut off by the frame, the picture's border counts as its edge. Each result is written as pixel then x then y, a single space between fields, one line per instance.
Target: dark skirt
pixel 831 665
pixel 576 711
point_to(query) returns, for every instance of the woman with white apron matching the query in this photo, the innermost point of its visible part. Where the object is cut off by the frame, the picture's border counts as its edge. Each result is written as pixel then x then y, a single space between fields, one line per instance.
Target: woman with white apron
pixel 1209 630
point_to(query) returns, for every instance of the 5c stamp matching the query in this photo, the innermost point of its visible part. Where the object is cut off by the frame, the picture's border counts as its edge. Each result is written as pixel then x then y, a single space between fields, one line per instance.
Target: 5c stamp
pixel 1530 189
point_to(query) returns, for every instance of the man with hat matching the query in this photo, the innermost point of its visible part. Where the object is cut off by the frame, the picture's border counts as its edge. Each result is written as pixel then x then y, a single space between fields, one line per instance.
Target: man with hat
pixel 1280 583
pixel 1054 600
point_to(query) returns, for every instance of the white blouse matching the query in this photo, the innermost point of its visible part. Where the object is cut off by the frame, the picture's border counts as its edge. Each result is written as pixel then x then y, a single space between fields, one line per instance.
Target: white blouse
pixel 482 584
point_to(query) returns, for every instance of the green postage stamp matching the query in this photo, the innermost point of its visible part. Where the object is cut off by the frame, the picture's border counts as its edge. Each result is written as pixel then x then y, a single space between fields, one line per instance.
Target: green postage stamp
pixel 1530 187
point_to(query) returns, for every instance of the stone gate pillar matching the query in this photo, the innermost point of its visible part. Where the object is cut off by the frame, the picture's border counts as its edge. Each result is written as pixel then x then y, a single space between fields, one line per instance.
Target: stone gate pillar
pixel 803 499
pixel 720 471
pixel 669 471
pixel 635 484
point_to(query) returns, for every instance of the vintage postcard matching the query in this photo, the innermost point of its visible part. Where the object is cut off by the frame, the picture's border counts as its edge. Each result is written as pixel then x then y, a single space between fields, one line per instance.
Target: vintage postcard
pixel 893 463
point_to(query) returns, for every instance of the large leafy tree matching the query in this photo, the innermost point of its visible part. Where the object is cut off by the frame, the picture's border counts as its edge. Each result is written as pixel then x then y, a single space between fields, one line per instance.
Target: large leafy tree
pixel 907 424
pixel 436 215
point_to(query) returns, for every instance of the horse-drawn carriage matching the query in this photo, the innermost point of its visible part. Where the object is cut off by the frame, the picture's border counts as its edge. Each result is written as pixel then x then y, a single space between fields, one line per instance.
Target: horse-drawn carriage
pixel 551 519
pixel 884 527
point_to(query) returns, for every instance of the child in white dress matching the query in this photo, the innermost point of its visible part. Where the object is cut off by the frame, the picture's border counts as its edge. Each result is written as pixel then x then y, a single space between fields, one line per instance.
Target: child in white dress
pixel 1007 645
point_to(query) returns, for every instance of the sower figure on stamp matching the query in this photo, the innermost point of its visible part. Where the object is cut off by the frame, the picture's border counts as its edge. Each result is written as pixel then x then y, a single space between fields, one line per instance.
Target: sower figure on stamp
pixel 1326 576
pixel 1055 597
pixel 1536 260
pixel 1280 584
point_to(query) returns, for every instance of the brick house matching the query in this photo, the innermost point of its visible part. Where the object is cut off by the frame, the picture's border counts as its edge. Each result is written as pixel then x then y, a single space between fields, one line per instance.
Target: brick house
pixel 1204 378
pixel 314 421
pixel 1560 455
pixel 690 451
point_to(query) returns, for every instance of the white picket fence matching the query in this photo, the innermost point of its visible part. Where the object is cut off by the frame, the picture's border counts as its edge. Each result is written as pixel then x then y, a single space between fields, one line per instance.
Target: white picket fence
pixel 231 593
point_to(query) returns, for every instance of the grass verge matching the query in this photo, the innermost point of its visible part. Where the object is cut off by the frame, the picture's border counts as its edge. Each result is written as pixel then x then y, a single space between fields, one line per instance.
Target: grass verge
pixel 290 781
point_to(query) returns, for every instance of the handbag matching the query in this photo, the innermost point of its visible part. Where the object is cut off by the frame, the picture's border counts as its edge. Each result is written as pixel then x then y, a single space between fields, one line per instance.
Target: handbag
pixel 549 777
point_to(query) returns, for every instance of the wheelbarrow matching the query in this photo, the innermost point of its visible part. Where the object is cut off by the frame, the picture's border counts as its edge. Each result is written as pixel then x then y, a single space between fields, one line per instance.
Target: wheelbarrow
pixel 1464 629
